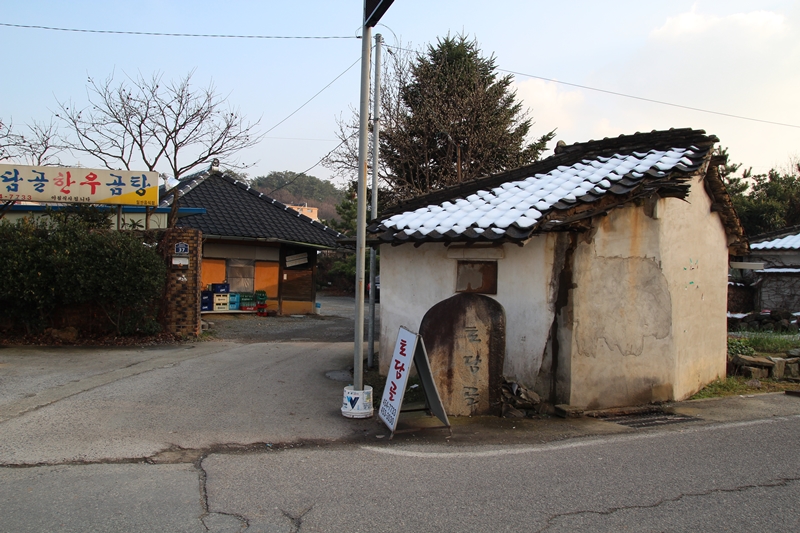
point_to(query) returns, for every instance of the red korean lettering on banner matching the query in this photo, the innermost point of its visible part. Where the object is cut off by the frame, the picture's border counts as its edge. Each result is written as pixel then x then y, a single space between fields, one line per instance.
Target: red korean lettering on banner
pixel 91 181
pixel 64 182
pixel 400 367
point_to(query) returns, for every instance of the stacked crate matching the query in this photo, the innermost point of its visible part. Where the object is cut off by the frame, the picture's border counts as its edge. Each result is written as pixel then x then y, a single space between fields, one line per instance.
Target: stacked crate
pixel 206 301
pixel 261 303
pixel 221 302
pixel 221 296
pixel 247 301
pixel 233 301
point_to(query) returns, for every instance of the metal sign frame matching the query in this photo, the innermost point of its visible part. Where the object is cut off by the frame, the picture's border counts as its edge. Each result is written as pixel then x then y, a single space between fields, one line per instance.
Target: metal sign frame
pixel 374 10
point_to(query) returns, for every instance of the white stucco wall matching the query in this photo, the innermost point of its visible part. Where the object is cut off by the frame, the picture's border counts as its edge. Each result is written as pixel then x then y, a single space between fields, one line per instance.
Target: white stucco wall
pixel 414 279
pixel 695 263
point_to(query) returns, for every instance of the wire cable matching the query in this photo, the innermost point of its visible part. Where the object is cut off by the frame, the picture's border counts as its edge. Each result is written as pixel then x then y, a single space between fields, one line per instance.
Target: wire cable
pixel 309 169
pixel 160 34
pixel 650 99
pixel 309 100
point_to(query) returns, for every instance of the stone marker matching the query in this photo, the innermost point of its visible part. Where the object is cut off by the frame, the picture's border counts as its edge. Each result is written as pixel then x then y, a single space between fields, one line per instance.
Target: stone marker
pixel 465 337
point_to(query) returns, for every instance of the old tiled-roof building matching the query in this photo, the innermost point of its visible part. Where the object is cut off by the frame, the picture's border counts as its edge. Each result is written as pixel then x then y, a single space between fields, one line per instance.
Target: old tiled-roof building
pixel 609 260
pixel 254 242
pixel 777 285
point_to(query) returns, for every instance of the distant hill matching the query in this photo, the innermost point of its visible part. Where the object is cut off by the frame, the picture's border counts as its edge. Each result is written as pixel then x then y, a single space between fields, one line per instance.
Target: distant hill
pixel 293 188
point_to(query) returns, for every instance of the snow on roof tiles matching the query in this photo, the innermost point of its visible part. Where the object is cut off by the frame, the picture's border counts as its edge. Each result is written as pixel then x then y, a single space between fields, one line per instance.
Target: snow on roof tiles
pixel 524 201
pixel 788 242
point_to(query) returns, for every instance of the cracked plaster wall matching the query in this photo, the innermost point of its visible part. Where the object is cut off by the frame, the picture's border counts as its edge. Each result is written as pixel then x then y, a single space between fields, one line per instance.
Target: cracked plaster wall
pixel 695 262
pixel 619 351
pixel 648 305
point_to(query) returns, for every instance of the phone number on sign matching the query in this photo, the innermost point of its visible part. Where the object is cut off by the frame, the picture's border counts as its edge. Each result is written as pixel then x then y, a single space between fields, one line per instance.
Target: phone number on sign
pixel 16 197
pixel 388 411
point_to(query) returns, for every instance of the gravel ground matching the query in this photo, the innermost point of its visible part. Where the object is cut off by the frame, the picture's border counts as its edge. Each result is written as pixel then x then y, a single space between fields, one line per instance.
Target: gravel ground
pixel 333 324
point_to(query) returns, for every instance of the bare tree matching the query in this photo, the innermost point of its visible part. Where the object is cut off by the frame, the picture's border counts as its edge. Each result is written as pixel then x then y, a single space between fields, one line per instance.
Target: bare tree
pixel 39 146
pixel 144 121
pixel 7 139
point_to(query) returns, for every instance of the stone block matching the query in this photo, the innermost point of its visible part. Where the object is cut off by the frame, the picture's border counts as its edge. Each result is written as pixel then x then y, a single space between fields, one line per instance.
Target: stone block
pixel 568 411
pixel 751 360
pixel 777 371
pixel 465 340
pixel 792 370
pixel 755 372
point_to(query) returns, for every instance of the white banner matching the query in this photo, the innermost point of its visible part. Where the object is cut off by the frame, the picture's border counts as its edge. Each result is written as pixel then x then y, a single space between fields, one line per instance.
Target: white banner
pixel 397 378
pixel 78 185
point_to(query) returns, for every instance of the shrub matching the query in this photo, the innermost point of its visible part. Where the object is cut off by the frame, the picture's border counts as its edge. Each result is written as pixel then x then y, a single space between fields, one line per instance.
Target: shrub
pixel 772 342
pixel 49 263
pixel 739 347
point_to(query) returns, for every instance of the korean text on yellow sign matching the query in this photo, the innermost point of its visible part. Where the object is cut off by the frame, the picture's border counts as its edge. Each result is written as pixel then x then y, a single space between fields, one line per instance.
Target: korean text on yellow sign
pixel 78 185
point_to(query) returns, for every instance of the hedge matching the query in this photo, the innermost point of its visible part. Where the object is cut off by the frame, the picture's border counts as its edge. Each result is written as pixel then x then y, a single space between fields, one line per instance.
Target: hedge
pixel 57 262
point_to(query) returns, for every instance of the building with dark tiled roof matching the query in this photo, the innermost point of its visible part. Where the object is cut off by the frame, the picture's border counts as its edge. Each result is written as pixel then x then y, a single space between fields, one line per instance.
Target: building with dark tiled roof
pixel 609 260
pixel 777 282
pixel 253 242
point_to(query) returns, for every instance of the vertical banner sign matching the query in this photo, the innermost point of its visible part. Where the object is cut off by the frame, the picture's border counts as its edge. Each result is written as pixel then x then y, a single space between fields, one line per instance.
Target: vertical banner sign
pixel 409 349
pixel 397 378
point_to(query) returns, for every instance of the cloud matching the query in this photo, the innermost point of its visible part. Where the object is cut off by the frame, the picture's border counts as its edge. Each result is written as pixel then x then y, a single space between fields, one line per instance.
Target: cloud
pixel 550 105
pixel 693 24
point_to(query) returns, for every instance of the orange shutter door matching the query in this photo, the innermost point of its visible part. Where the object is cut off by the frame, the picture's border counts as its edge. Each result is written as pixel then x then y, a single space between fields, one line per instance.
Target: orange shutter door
pixel 213 272
pixel 267 273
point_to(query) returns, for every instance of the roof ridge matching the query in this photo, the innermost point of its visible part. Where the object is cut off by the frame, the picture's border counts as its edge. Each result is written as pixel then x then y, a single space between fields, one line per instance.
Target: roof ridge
pixel 775 234
pixel 189 185
pixel 277 203
pixel 567 156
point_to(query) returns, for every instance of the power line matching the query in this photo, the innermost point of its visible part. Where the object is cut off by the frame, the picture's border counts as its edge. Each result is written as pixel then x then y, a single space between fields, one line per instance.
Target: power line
pixel 309 169
pixel 650 99
pixel 160 34
pixel 309 100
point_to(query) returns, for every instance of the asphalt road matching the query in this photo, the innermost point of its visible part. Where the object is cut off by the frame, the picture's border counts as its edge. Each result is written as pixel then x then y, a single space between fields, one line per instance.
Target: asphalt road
pixel 246 435
pixel 334 323
pixel 731 477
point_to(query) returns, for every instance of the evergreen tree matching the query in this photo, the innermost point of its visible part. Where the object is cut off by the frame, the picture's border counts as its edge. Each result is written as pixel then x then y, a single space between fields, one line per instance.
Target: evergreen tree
pixel 444 106
pixel 764 202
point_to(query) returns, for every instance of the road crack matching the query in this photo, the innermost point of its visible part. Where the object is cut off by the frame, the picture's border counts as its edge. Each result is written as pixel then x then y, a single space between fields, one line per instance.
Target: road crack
pixel 297 520
pixel 779 482
pixel 209 517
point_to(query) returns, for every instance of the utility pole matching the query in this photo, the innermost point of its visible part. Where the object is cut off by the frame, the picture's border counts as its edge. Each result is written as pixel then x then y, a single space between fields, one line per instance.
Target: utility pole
pixel 376 128
pixel 358 402
pixel 361 207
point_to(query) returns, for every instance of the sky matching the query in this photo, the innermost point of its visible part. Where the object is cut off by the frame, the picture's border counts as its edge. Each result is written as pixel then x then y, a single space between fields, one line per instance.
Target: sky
pixel 733 57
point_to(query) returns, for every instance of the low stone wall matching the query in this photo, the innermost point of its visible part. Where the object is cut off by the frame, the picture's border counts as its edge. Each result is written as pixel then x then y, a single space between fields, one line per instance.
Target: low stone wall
pixel 769 367
pixel 778 320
